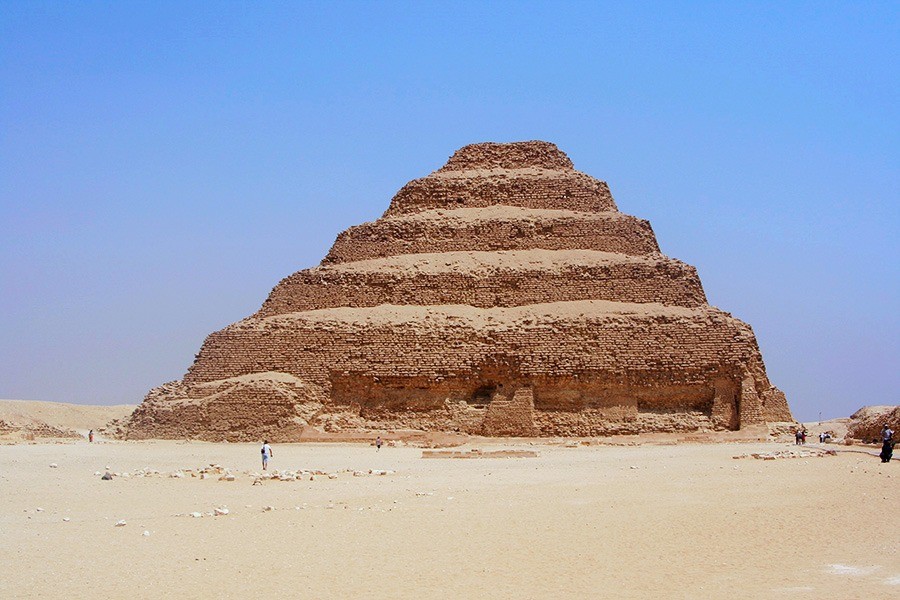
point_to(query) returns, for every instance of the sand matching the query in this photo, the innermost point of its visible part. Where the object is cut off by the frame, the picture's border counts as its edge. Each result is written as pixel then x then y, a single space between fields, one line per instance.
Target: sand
pixel 675 521
pixel 77 417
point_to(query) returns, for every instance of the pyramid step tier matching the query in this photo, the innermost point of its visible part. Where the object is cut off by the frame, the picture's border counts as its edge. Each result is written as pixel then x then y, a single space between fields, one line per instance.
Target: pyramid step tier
pixel 484 279
pixel 494 228
pixel 517 155
pixel 569 352
pixel 525 188
pixel 564 339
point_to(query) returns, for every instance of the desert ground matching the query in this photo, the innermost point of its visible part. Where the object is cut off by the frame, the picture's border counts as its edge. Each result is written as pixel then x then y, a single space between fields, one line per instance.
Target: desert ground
pixel 669 518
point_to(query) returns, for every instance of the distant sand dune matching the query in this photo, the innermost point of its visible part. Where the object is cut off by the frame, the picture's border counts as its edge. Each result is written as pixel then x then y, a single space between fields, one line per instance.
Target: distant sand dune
pixel 78 417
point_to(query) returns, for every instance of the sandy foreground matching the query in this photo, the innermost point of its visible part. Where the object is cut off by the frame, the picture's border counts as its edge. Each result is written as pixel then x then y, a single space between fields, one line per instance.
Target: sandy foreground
pixel 679 521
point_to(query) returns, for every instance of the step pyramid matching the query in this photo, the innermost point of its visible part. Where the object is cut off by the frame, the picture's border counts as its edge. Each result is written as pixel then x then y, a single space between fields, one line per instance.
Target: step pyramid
pixel 503 294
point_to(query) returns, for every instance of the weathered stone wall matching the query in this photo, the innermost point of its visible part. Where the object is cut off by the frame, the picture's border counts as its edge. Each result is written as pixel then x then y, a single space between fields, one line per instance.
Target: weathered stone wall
pixel 503 294
pixel 572 191
pixel 436 280
pixel 492 230
pixel 521 155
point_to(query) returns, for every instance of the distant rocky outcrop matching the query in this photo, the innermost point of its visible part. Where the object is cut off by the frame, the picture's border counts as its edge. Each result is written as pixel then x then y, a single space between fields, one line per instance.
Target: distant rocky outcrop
pixel 867 422
pixel 503 294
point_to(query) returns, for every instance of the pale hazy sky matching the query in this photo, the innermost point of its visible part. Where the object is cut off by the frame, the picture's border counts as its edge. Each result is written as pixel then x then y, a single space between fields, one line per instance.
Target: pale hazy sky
pixel 164 164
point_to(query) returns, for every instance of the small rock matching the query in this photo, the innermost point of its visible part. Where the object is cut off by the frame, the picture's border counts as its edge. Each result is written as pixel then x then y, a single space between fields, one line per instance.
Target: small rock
pixel 97 473
pixel 39 509
pixel 219 512
pixel 53 465
pixel 120 523
pixel 268 508
pixel 65 519
pixel 146 534
pixel 107 476
pixel 196 515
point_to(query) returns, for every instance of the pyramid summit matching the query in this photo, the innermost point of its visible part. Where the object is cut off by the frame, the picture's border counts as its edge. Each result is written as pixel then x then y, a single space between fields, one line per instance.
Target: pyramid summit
pixel 503 294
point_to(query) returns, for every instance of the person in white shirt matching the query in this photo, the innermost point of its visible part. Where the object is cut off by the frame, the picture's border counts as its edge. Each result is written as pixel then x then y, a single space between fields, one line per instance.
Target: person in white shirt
pixel 266 452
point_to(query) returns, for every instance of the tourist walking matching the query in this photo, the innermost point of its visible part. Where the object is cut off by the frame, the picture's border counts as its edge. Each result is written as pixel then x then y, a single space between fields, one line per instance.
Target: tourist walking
pixel 266 452
pixel 887 444
pixel 378 443
pixel 91 436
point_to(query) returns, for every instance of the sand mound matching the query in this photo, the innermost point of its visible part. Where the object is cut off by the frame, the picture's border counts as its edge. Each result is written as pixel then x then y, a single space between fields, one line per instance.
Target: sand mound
pixel 866 423
pixel 76 418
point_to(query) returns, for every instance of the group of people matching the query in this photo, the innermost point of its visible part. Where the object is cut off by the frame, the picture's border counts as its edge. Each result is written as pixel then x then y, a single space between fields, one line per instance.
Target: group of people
pixel 800 437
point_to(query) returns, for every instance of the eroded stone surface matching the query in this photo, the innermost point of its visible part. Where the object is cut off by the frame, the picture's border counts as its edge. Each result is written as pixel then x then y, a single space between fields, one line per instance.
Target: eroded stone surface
pixel 503 294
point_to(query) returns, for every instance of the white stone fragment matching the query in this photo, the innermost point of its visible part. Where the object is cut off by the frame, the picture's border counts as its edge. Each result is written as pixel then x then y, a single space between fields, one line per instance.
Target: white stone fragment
pixel 221 511
pixel 53 465
pixel 146 533
pixel 120 523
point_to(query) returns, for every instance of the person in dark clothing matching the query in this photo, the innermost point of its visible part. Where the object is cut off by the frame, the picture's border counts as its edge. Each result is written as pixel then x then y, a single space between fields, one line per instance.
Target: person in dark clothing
pixel 887 444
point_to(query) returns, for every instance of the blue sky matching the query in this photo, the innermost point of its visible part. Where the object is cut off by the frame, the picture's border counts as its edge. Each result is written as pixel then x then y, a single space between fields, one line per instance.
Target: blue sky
pixel 164 164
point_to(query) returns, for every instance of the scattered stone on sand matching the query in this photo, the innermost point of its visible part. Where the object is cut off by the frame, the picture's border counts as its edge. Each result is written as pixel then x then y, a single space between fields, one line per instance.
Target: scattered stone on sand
pixel 146 533
pixel 475 453
pixel 107 476
pixel 221 511
pixel 53 465
pixel 777 454
pixel 196 515
pixel 66 519
pixel 121 523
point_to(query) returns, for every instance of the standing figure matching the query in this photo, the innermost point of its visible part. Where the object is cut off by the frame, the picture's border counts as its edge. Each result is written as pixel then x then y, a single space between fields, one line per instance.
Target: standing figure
pixel 887 444
pixel 266 452
pixel 91 436
pixel 378 443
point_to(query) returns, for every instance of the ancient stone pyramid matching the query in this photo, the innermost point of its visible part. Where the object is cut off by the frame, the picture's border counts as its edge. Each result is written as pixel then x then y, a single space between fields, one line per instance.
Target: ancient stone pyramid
pixel 503 294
